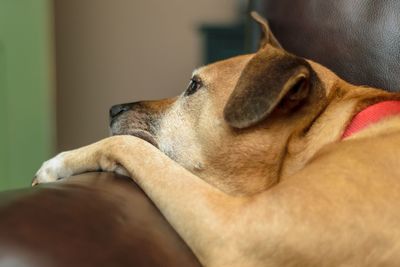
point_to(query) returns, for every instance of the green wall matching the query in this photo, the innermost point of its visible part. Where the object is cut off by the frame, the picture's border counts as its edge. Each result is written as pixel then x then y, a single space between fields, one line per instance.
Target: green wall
pixel 26 89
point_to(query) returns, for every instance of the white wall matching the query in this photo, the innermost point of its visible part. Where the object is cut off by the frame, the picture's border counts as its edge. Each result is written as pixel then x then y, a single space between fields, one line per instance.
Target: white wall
pixel 115 51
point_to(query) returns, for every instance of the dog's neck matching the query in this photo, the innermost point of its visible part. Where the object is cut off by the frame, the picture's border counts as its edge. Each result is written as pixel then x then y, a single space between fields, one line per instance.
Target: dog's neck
pixel 246 170
pixel 371 115
pixel 345 103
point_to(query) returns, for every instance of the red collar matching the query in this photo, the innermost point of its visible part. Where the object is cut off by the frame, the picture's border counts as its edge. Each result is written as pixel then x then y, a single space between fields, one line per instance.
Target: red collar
pixel 370 115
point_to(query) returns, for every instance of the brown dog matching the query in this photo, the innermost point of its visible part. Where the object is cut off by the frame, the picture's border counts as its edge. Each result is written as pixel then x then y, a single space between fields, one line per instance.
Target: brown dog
pixel 249 167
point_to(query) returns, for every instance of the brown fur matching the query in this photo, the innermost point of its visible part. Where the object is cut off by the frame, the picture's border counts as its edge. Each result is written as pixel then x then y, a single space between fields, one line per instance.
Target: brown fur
pixel 250 169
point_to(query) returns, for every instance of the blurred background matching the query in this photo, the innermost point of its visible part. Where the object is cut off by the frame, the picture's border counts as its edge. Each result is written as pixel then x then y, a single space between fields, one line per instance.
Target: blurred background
pixel 64 63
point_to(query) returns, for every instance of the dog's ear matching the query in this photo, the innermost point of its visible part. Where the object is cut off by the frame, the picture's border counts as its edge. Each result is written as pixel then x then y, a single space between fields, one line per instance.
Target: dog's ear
pixel 267 37
pixel 272 80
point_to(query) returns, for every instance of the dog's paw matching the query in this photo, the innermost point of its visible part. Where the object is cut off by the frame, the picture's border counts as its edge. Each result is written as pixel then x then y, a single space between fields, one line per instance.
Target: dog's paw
pixel 52 170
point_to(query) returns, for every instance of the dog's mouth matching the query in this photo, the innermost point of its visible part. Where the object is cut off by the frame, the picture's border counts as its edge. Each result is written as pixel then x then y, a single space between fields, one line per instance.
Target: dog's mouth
pixel 126 127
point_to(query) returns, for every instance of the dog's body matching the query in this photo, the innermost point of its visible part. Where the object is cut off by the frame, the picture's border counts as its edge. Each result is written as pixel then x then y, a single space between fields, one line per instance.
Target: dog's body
pixel 250 168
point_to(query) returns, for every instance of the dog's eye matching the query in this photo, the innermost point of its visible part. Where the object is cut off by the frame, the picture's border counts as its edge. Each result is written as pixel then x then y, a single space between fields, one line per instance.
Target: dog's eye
pixel 194 85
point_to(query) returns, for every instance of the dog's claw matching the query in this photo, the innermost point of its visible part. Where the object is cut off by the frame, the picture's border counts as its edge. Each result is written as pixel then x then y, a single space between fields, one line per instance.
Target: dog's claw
pixel 35 181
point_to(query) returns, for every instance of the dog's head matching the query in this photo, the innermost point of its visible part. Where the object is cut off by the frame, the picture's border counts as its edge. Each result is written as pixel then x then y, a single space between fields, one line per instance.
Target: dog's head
pixel 239 119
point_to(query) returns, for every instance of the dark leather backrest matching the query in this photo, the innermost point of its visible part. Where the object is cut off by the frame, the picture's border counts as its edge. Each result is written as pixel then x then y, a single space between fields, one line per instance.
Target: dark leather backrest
pixel 357 39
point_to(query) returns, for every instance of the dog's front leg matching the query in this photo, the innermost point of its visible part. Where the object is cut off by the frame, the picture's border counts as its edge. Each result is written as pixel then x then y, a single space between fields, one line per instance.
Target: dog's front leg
pixel 94 157
pixel 200 213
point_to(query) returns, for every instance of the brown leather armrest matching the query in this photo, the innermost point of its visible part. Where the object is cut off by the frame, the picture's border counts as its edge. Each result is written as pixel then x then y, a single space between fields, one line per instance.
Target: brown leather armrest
pixel 94 219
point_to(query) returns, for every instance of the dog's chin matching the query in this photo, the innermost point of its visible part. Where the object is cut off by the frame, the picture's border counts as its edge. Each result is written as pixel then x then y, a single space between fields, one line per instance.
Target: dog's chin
pixel 146 136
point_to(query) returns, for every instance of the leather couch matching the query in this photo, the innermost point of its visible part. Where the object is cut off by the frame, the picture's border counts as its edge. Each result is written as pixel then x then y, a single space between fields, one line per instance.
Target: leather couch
pixel 358 39
pixel 101 219
pixel 93 219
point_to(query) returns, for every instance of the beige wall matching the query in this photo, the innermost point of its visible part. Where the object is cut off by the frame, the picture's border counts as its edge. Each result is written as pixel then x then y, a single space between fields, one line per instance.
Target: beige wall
pixel 115 51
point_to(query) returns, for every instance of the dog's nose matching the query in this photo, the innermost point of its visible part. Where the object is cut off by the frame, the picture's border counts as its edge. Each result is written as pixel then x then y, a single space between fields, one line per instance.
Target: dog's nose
pixel 118 109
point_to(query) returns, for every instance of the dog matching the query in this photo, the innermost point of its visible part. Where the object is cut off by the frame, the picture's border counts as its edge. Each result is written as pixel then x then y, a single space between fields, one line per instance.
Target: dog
pixel 257 163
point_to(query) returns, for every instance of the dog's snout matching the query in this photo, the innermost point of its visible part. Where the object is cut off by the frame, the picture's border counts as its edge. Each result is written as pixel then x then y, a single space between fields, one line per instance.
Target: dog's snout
pixel 118 109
